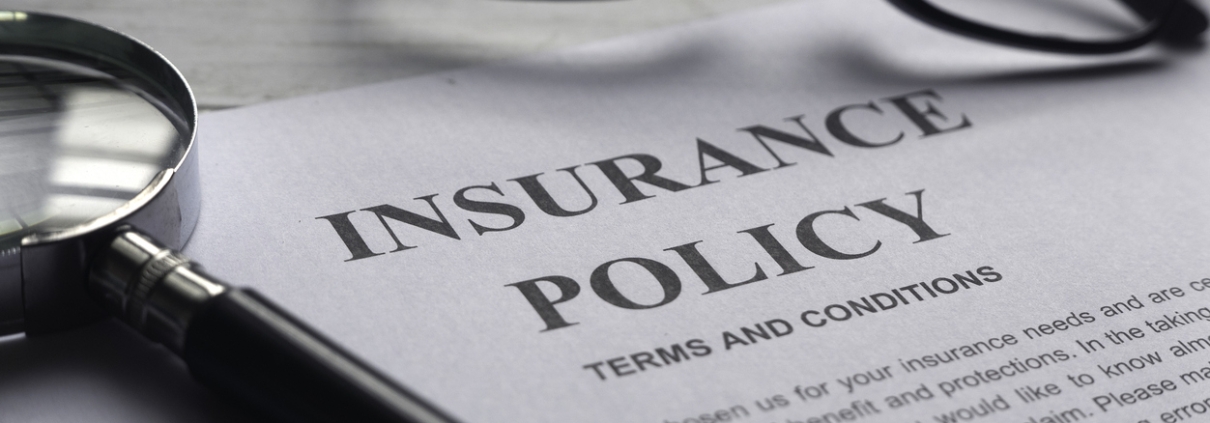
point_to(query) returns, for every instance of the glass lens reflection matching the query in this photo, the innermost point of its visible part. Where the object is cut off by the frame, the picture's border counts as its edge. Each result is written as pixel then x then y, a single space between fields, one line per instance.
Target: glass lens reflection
pixel 75 144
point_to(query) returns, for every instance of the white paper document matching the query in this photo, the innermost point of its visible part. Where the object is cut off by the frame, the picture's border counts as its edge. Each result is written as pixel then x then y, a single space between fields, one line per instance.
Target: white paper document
pixel 821 211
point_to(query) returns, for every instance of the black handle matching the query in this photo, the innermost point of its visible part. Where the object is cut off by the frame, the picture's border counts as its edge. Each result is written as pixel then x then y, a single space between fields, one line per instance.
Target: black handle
pixel 243 346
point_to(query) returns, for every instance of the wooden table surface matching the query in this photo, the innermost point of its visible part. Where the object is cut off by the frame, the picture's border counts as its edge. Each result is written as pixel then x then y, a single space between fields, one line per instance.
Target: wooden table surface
pixel 236 52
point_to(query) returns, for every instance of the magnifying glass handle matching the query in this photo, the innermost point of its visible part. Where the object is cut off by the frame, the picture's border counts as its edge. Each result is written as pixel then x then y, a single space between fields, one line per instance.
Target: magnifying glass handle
pixel 240 344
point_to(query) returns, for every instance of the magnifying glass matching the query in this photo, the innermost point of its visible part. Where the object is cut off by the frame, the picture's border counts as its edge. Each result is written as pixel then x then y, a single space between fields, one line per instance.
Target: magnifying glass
pixel 99 187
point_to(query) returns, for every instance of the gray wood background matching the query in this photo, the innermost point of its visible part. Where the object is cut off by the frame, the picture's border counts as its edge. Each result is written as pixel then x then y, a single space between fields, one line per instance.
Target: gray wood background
pixel 237 52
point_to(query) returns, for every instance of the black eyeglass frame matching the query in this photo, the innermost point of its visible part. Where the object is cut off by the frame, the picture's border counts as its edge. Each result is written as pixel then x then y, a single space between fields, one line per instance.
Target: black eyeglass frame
pixel 1163 25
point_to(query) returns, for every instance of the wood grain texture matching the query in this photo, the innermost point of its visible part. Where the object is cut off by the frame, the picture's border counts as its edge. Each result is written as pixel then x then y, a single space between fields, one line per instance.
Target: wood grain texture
pixel 236 52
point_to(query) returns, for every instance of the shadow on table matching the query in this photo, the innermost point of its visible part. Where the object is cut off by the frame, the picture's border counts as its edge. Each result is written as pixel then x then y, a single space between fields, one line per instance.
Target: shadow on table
pixel 106 371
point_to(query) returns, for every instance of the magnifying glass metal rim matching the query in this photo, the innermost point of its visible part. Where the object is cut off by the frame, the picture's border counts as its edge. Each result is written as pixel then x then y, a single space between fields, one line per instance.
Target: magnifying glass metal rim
pixel 233 339
pixel 48 273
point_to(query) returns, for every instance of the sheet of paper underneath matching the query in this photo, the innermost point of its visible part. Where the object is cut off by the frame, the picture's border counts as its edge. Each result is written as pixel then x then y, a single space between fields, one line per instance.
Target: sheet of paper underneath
pixel 1079 183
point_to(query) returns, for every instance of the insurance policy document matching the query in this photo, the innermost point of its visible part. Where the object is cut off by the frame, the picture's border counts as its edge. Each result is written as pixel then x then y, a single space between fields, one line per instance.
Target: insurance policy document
pixel 820 211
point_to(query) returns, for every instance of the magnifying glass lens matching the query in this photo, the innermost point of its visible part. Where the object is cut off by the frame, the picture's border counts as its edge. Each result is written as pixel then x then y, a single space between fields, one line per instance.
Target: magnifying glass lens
pixel 75 145
pixel 98 188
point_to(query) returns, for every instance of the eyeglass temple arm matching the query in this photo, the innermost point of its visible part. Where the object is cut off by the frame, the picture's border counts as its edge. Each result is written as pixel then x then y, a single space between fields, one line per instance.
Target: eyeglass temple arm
pixel 1186 22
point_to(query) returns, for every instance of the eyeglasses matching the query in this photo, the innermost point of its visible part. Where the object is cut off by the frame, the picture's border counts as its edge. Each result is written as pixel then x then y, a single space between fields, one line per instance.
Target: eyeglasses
pixel 1065 26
